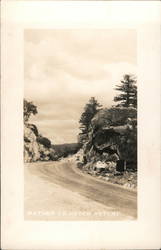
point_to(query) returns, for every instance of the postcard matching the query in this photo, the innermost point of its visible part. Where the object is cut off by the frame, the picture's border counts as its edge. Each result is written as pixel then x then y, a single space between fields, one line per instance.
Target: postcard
pixel 80 125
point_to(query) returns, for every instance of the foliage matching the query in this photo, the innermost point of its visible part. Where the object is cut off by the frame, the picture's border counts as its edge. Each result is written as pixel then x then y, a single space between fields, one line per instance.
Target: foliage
pixel 128 89
pixel 44 141
pixel 29 108
pixel 128 146
pixel 115 116
pixel 53 155
pixel 90 110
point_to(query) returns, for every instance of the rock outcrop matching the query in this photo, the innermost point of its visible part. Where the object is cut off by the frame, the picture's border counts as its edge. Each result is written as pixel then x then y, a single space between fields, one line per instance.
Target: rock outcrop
pixel 33 149
pixel 112 137
pixel 109 150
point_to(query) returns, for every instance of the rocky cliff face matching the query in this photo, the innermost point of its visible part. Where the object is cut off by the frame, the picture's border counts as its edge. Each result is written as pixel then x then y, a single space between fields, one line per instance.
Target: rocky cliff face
pixel 31 147
pixel 111 137
pixel 110 149
pixel 33 150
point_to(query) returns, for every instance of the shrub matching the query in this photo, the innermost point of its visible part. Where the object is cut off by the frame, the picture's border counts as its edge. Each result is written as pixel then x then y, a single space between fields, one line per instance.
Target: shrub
pixel 44 141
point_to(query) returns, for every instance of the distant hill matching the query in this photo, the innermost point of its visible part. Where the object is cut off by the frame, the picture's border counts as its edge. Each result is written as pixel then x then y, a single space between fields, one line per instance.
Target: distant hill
pixel 63 150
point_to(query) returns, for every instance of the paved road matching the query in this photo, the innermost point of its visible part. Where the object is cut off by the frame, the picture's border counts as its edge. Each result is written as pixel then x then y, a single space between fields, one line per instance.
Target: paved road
pixel 66 175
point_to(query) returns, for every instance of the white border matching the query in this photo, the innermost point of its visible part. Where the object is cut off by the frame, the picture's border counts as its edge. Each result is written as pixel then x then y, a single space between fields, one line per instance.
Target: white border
pixel 143 233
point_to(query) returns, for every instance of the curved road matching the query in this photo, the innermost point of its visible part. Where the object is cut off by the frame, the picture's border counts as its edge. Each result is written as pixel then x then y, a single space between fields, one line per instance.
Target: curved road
pixel 66 175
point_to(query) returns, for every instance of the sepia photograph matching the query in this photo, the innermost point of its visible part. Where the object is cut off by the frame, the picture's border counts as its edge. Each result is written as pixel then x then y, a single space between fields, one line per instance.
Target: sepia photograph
pixel 80 127
pixel 80 124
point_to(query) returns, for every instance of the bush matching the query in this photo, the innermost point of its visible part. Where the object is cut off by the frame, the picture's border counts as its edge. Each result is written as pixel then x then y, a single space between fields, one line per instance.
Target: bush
pixel 44 141
pixel 53 156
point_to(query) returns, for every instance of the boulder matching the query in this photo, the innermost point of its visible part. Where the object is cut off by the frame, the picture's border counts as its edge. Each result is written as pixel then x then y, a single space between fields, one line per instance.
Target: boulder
pixel 111 166
pixel 114 116
pixel 100 165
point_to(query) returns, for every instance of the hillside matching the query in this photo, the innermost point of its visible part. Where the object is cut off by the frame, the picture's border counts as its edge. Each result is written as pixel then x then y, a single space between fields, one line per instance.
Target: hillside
pixel 63 150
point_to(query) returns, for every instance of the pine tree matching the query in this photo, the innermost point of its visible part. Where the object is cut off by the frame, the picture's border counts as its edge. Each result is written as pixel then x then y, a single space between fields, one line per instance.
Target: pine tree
pixel 128 97
pixel 90 110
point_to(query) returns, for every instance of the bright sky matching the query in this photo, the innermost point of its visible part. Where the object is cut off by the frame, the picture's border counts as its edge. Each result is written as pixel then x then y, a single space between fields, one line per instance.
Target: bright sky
pixel 64 68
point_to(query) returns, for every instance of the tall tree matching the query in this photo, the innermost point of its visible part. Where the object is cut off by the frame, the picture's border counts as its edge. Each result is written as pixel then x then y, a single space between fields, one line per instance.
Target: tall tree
pixel 28 109
pixel 128 89
pixel 90 110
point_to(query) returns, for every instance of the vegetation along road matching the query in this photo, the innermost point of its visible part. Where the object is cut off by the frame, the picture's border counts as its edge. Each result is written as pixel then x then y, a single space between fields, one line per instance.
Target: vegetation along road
pixel 60 191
